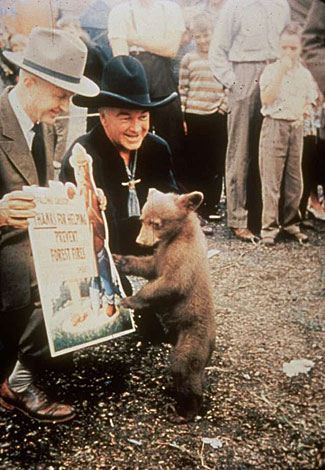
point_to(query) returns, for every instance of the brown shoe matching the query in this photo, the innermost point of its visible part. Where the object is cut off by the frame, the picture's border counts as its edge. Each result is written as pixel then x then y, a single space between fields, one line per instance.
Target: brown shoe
pixel 34 403
pixel 110 310
pixel 245 235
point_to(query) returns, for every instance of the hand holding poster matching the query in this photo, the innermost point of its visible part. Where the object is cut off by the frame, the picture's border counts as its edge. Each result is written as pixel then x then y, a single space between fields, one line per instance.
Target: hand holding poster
pixel 79 286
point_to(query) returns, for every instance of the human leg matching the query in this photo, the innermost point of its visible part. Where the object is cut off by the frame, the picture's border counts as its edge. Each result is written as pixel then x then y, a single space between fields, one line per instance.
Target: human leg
pixel 242 151
pixel 221 139
pixel 293 185
pixel 308 165
pixel 202 158
pixel 272 158
pixel 27 342
pixel 104 269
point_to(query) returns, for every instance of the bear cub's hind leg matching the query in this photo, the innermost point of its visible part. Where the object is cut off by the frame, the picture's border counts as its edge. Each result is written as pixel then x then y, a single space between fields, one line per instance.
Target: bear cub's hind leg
pixel 187 369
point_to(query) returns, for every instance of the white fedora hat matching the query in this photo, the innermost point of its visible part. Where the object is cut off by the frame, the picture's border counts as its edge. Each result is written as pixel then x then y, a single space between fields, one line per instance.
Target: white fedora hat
pixel 57 57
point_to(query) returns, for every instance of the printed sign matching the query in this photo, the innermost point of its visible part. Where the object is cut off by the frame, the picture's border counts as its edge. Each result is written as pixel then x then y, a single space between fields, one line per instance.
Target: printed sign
pixel 79 285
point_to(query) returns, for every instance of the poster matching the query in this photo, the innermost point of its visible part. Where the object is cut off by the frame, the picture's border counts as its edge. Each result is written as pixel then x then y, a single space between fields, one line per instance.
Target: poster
pixel 79 286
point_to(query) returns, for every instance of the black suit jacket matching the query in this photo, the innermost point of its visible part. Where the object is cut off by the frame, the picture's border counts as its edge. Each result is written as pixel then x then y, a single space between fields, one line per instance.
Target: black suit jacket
pixel 17 169
pixel 153 168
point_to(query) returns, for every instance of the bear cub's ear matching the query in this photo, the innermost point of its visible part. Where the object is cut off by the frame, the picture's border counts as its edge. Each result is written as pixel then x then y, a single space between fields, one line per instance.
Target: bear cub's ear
pixel 191 201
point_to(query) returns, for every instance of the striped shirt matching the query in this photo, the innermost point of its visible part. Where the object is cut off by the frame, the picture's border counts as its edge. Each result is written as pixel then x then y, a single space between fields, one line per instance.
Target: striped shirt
pixel 200 92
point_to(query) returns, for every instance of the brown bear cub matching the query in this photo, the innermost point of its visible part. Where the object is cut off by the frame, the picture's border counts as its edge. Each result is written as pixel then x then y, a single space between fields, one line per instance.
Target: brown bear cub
pixel 179 289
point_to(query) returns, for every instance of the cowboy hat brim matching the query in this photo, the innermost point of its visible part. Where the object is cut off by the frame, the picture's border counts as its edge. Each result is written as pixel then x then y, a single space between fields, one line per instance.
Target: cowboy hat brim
pixel 85 87
pixel 107 99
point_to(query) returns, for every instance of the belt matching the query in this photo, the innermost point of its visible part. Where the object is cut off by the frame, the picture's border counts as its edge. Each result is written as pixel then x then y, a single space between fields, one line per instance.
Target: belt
pixel 136 51
pixel 266 62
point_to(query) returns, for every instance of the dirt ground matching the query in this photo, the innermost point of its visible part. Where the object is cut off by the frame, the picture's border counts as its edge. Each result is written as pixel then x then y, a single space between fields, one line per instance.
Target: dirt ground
pixel 270 307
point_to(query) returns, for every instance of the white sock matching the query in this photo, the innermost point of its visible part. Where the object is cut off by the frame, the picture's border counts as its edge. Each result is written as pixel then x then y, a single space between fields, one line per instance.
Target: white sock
pixel 20 378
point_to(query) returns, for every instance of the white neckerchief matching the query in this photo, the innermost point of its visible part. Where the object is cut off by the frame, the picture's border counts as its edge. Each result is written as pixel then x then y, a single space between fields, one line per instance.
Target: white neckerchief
pixel 24 120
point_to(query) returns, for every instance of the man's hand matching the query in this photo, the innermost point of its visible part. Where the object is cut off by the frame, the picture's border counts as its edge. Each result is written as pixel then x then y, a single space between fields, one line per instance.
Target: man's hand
pixel 15 209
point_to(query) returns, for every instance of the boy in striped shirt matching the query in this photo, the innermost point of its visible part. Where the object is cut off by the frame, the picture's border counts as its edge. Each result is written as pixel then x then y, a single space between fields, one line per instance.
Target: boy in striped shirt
pixel 204 107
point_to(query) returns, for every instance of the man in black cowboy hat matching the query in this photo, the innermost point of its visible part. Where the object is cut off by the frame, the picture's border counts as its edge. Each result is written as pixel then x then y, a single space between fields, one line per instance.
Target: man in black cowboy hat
pixel 127 159
pixel 51 72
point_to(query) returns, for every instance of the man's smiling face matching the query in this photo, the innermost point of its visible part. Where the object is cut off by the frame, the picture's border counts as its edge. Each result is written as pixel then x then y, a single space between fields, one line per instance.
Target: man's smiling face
pixel 126 128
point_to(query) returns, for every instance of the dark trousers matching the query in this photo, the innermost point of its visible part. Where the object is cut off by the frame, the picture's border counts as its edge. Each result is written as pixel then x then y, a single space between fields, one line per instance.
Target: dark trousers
pixel 309 169
pixel 23 337
pixel 167 122
pixel 206 144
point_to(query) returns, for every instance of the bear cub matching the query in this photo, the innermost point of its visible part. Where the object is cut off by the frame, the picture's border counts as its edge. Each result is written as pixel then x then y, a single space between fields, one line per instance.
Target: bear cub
pixel 179 289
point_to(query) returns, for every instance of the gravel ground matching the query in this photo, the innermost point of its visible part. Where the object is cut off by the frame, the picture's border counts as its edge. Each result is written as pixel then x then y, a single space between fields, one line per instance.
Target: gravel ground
pixel 270 311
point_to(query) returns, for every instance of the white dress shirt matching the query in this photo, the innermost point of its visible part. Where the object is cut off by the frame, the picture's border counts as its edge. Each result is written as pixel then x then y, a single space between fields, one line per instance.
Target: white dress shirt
pixel 24 120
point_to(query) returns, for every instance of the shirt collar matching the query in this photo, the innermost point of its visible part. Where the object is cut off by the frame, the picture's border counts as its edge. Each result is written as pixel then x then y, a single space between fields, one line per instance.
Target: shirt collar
pixel 24 120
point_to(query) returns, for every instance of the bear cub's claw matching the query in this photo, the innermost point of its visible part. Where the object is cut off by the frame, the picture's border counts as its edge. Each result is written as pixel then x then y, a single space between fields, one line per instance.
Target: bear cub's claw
pixel 127 302
pixel 175 418
pixel 119 260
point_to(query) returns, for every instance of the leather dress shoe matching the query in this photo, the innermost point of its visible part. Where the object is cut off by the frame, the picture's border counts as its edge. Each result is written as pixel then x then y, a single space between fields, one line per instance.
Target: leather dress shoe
pixel 245 235
pixel 34 403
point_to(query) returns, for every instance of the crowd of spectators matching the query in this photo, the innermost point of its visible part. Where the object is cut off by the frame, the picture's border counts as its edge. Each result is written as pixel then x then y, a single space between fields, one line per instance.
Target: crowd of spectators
pixel 212 52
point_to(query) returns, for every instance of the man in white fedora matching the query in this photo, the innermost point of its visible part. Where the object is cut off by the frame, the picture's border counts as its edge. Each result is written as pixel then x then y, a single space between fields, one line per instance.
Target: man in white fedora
pixel 51 72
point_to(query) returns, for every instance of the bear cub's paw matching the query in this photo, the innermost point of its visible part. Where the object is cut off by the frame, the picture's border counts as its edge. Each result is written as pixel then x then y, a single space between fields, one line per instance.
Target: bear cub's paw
pixel 119 261
pixel 133 303
pixel 175 418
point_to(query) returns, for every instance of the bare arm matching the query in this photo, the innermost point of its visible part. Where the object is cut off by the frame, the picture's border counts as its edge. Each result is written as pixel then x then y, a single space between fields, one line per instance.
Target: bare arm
pixel 166 48
pixel 220 46
pixel 184 82
pixel 119 46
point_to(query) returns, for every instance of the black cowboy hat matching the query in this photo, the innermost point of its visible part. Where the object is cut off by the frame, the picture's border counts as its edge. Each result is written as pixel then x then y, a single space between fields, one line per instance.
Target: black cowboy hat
pixel 124 85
